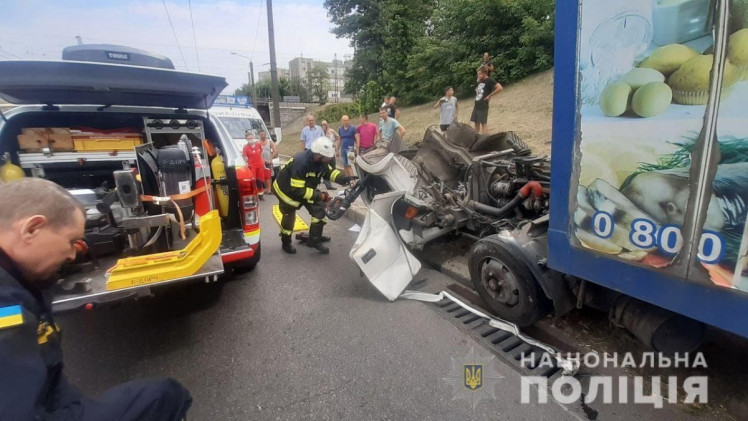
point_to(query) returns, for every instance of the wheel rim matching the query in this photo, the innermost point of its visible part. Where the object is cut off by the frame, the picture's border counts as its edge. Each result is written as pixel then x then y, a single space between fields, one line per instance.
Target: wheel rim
pixel 500 282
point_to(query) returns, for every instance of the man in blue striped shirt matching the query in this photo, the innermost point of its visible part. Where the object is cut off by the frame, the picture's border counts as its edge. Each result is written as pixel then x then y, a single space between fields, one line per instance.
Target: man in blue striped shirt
pixel 310 133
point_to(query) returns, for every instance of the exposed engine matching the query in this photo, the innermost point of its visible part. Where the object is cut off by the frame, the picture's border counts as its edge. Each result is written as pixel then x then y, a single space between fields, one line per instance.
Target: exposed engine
pixel 462 180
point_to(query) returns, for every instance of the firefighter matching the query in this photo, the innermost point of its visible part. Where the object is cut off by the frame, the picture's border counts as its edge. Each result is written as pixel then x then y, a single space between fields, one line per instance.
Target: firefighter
pixel 40 225
pixel 296 185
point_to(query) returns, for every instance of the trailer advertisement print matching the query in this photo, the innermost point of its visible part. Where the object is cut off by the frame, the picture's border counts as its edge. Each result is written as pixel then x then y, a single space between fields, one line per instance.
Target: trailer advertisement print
pixel 663 153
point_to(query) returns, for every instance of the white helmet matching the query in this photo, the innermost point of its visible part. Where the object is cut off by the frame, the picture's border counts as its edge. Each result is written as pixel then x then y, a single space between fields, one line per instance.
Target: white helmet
pixel 324 147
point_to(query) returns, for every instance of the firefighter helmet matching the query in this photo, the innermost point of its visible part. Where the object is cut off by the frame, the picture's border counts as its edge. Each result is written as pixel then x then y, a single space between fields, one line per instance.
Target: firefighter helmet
pixel 324 147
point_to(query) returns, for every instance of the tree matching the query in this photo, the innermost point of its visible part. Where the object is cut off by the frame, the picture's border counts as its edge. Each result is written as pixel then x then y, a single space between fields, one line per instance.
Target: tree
pixel 298 88
pixel 264 88
pixel 318 82
pixel 415 48
pixel 383 34
pixel 517 33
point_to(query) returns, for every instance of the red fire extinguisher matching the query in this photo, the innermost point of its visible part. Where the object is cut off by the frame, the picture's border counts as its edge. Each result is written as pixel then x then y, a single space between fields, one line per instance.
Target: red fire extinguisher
pixel 202 182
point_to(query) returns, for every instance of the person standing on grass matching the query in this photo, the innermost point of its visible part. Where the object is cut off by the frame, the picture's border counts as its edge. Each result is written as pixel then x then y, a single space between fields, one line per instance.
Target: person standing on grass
pixel 330 134
pixel 349 139
pixel 310 133
pixel 448 112
pixel 485 89
pixel 392 110
pixel 387 128
pixel 488 63
pixel 367 135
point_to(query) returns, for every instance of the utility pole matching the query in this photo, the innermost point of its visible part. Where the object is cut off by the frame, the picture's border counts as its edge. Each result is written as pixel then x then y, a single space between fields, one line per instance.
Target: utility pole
pixel 250 77
pixel 274 73
pixel 252 82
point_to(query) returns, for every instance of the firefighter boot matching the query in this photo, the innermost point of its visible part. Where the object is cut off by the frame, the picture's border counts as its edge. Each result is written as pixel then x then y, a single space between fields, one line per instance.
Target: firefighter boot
pixel 315 238
pixel 287 246
pixel 286 227
pixel 303 236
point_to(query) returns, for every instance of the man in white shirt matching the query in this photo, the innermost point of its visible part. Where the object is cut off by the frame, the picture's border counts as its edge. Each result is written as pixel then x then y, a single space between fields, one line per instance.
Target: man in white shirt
pixel 310 133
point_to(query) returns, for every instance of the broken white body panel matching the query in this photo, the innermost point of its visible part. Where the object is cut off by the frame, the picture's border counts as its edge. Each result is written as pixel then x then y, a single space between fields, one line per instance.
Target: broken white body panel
pixel 379 251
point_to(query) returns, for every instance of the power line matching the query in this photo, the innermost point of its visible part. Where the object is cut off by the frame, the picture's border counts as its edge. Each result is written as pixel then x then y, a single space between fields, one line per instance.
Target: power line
pixel 194 37
pixel 175 35
pixel 257 31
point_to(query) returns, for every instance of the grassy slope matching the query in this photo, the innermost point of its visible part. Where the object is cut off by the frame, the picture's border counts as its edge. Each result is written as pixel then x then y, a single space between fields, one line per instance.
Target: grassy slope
pixel 525 107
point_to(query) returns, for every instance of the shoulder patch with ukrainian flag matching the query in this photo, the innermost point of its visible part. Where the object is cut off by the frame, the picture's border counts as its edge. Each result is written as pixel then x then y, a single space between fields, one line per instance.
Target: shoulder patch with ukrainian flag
pixel 10 316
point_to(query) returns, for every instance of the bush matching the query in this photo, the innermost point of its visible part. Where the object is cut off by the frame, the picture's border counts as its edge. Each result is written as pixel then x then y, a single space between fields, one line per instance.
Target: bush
pixel 517 33
pixel 332 113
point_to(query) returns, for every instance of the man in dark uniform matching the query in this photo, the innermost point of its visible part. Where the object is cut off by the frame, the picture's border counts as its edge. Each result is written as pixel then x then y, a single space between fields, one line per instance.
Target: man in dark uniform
pixel 40 225
pixel 296 186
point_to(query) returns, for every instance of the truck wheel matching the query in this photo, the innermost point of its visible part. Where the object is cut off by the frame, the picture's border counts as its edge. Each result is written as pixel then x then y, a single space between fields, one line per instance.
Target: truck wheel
pixel 506 284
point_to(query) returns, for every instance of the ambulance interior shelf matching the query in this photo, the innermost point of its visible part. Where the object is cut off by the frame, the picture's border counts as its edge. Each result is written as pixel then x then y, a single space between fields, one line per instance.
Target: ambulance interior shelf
pixel 141 214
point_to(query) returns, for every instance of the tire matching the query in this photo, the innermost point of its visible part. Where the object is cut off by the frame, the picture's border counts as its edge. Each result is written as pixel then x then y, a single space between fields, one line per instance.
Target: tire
pixel 506 284
pixel 246 265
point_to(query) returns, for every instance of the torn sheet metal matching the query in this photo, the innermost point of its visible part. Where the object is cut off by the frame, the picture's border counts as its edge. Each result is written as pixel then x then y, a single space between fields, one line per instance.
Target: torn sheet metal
pixel 380 254
pixel 569 366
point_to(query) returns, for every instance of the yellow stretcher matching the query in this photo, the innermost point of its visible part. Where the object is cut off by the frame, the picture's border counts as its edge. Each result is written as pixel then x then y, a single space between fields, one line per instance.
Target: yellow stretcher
pixel 299 224
pixel 142 270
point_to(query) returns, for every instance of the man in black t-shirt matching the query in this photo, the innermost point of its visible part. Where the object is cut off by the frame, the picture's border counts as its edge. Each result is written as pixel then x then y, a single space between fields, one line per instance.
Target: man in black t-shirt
pixel 485 89
pixel 392 111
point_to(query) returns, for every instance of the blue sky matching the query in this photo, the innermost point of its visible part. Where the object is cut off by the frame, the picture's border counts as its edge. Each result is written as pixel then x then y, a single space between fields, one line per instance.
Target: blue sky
pixel 40 29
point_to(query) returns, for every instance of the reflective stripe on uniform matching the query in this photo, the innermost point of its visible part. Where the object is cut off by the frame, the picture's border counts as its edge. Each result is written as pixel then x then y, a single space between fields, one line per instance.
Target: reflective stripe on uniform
pixel 286 232
pixel 284 197
pixel 334 175
pixel 315 220
pixel 311 174
pixel 309 193
pixel 299 184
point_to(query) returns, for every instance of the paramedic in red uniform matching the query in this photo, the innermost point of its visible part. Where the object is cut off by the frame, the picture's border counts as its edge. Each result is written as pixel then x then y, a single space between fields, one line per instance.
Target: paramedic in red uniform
pixel 253 156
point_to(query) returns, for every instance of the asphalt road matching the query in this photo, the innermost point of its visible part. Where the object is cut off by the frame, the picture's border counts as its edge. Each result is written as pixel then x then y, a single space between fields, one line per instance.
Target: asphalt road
pixel 299 337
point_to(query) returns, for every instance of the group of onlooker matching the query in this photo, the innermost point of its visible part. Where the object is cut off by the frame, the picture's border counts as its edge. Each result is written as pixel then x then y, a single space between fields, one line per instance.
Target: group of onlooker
pixel 484 90
pixel 349 140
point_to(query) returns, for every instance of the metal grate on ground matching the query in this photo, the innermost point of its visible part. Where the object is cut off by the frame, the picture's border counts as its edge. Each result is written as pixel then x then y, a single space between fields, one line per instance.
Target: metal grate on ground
pixel 506 346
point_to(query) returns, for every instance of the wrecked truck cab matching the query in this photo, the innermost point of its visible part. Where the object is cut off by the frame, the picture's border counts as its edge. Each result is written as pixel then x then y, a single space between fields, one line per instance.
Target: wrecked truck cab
pixel 459 180
pixel 487 187
pixel 168 198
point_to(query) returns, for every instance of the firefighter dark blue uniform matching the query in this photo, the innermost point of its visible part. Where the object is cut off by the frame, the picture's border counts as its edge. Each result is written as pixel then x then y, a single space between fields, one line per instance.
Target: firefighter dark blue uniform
pixel 32 383
pixel 295 187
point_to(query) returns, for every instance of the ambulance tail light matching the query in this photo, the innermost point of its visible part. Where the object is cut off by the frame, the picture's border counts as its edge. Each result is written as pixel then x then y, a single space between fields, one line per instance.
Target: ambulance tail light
pixel 248 199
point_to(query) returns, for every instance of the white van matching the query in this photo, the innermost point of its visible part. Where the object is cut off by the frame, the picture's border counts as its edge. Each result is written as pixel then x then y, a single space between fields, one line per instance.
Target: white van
pixel 238 119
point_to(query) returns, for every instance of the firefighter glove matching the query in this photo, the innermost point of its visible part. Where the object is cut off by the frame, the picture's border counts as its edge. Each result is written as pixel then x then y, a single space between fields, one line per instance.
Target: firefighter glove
pixel 324 196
